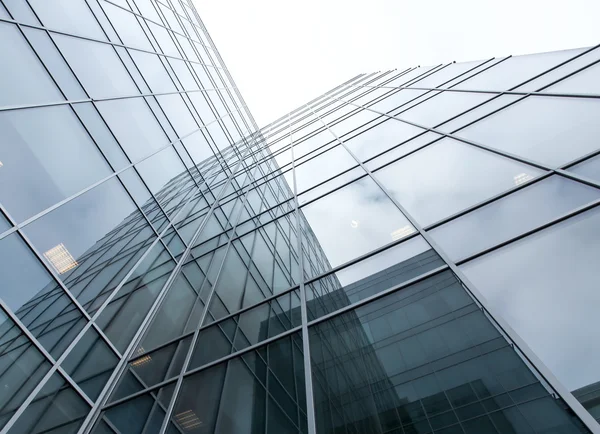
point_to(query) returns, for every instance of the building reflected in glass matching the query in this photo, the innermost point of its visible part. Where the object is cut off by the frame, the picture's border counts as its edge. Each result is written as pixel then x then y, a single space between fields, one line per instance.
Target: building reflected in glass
pixel 412 252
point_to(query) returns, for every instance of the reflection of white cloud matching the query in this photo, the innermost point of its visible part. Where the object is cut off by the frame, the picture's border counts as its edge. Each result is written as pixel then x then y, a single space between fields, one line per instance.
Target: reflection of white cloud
pixel 545 286
pixel 447 177
pixel 362 201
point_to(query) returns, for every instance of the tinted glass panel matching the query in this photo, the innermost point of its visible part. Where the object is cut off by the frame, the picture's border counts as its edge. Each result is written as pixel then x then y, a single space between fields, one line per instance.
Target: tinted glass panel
pixel 68 16
pixel 589 168
pixel 46 157
pixel 448 176
pixel 322 167
pixel 371 276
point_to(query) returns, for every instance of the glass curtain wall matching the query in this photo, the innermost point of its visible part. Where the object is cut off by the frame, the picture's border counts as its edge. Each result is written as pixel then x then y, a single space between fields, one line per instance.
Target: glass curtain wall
pixel 412 252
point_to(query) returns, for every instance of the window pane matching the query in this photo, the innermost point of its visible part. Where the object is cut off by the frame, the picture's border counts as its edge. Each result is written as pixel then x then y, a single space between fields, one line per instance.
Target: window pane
pixel 55 63
pixel 134 126
pixel 515 70
pixel 371 276
pixel 153 70
pixel 23 80
pixel 127 26
pixel 101 71
pixel 589 168
pixel 505 218
pixel 404 149
pixel 352 221
pixel 4 223
pixel 448 176
pixel 56 407
pixel 381 137
pixel 68 16
pixel 23 367
pixel 90 363
pixel 89 231
pixel 47 156
pixel 443 106
pixel 323 167
pixel 178 113
pixel 550 130
pixel 554 274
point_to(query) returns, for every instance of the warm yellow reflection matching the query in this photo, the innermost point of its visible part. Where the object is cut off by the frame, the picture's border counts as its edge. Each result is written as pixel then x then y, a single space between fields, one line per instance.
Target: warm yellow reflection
pixel 61 259
pixel 402 232
pixel 188 420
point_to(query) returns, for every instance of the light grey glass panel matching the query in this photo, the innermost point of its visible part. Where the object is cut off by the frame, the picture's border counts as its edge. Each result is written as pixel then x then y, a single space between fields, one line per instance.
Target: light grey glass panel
pixel 46 157
pixel 509 217
pixel 178 113
pixel 127 26
pixel 585 81
pixel 306 146
pixel 545 287
pixel 322 167
pixel 23 80
pixel 164 40
pixel 352 122
pixel 330 185
pixel 515 70
pixel 491 105
pixel 134 126
pixel 21 12
pixel 4 223
pixel 198 147
pixel 353 221
pixel 571 84
pixel 153 71
pixel 402 150
pixel 443 106
pixel 147 9
pixel 101 134
pixel 405 96
pixel 55 63
pixel 550 130
pixel 381 137
pixel 183 74
pixel 100 71
pixel 448 176
pixel 589 168
pixel 70 16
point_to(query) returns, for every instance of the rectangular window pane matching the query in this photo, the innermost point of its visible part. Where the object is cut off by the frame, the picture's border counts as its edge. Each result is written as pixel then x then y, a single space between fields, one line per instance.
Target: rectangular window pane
pixel 47 156
pixel 448 176
pixel 507 217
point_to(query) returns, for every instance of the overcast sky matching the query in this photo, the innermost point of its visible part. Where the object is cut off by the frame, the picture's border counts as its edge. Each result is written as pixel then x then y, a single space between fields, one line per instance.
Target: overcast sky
pixel 283 53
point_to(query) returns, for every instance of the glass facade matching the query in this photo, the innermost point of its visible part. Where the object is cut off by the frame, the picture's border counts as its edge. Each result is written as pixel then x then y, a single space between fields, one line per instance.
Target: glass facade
pixel 412 252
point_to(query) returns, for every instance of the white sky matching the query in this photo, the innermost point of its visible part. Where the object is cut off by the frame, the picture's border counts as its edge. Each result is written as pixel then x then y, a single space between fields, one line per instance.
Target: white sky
pixel 283 53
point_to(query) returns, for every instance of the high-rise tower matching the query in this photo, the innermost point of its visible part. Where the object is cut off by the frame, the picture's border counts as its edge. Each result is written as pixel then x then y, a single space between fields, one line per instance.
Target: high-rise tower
pixel 412 252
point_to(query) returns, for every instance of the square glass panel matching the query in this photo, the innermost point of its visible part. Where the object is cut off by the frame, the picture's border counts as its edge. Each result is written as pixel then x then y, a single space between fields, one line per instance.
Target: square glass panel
pixel 508 217
pixel 381 137
pixel 23 80
pixel 549 130
pixel 68 16
pixel 47 156
pixel 153 71
pixel 324 166
pixel 449 176
pixel 353 221
pixel 101 72
pixel 134 126
pixel 127 26
pixel 553 274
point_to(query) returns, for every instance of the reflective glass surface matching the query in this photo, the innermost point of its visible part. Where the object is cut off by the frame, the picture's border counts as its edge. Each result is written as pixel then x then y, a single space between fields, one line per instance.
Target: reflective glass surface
pixel 505 218
pixel 47 156
pixel 552 272
pixel 548 130
pixel 353 221
pixel 449 176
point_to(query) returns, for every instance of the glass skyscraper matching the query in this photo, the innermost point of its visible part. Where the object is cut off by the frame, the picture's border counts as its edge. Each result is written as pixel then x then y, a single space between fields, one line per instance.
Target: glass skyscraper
pixel 414 252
